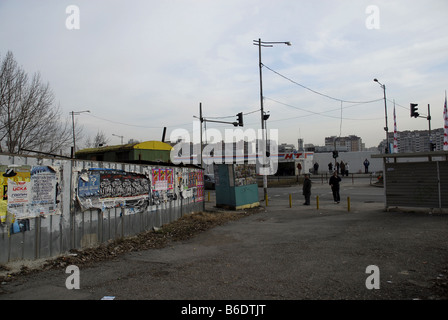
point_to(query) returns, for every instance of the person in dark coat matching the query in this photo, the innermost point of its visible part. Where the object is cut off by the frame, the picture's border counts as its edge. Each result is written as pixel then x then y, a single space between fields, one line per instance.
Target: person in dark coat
pixel 366 166
pixel 334 183
pixel 299 167
pixel 342 166
pixel 307 189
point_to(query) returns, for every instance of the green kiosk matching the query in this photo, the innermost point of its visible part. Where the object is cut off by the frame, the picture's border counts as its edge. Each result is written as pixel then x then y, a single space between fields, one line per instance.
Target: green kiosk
pixel 236 186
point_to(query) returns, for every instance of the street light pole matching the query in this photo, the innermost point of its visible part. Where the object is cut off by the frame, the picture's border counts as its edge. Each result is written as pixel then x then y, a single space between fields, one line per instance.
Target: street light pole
pixel 73 123
pixel 385 111
pixel 260 44
pixel 116 135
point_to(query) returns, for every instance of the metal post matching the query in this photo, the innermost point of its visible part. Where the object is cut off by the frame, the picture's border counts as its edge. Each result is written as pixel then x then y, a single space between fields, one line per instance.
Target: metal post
pixel 385 111
pixel 259 43
pixel 429 123
pixel 263 149
pixel 73 123
pixel 201 120
pixel 386 128
pixel 74 144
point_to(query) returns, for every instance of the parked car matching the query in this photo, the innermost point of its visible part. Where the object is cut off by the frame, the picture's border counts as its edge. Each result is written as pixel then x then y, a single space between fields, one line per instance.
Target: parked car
pixel 209 181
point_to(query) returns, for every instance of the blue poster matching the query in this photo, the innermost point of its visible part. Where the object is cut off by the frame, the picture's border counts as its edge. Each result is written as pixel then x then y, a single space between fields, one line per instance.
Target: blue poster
pixel 89 187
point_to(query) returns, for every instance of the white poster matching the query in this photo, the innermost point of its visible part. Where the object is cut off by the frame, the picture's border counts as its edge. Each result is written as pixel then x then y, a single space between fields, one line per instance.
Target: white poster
pixel 19 198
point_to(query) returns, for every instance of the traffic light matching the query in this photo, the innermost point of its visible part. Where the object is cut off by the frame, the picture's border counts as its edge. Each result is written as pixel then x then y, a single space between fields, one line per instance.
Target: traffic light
pixel 240 119
pixel 335 154
pixel 414 109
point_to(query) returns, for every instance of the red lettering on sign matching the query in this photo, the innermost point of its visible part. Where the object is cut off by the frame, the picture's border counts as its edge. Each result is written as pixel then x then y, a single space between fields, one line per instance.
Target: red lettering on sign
pixel 19 188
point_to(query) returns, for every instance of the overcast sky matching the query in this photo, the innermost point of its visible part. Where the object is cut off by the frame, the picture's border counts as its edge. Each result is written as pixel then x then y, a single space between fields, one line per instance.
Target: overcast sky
pixel 139 66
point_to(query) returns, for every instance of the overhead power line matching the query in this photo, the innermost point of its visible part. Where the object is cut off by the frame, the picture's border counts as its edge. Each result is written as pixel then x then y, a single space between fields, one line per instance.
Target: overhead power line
pixel 134 125
pixel 323 113
pixel 317 92
pixel 226 117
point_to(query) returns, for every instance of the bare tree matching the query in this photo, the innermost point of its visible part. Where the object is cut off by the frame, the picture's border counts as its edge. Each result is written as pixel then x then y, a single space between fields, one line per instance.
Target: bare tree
pixel 99 139
pixel 29 119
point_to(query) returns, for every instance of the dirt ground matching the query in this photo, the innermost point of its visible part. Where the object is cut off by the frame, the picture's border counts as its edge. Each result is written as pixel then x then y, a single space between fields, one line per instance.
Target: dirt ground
pixel 265 253
pixel 182 229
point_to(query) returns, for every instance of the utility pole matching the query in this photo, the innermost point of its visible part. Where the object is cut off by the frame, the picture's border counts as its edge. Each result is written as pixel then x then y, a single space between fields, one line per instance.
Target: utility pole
pixel 73 113
pixel 386 128
pixel 201 120
pixel 260 44
pixel 429 124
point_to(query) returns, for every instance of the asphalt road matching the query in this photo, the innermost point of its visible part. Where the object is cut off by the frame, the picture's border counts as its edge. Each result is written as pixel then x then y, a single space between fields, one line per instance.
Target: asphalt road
pixel 281 253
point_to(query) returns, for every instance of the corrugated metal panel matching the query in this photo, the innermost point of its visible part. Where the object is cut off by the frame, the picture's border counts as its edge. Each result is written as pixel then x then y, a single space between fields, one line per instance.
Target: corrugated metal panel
pixel 415 184
pixel 59 233
pixel 443 172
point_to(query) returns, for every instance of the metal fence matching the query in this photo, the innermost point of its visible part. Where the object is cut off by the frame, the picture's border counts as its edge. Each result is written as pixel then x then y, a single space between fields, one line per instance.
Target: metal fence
pixel 417 184
pixel 71 227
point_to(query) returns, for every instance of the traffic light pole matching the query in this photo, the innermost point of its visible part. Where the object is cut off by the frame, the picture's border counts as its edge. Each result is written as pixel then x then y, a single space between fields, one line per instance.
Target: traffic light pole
pixel 415 114
pixel 429 124
pixel 202 120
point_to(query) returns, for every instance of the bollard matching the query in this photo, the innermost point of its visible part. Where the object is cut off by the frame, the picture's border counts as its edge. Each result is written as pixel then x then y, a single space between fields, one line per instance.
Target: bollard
pixel 209 196
pixel 266 199
pixel 348 203
pixel 317 202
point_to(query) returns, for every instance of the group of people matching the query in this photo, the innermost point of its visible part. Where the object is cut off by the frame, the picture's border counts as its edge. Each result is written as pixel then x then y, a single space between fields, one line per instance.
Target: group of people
pixel 343 167
pixel 334 180
pixel 338 167
pixel 334 183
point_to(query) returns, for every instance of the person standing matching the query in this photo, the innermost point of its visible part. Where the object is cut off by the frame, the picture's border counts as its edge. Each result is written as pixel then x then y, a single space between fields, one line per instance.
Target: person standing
pixel 330 167
pixel 334 183
pixel 366 166
pixel 316 168
pixel 307 189
pixel 342 166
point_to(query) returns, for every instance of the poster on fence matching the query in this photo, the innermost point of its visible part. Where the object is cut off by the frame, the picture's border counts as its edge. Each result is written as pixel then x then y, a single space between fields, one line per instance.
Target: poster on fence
pixel 109 188
pixel 19 198
pixel 162 186
pixel 193 185
pixel 43 190
pixel 162 179
pixel 27 192
pixel 14 173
